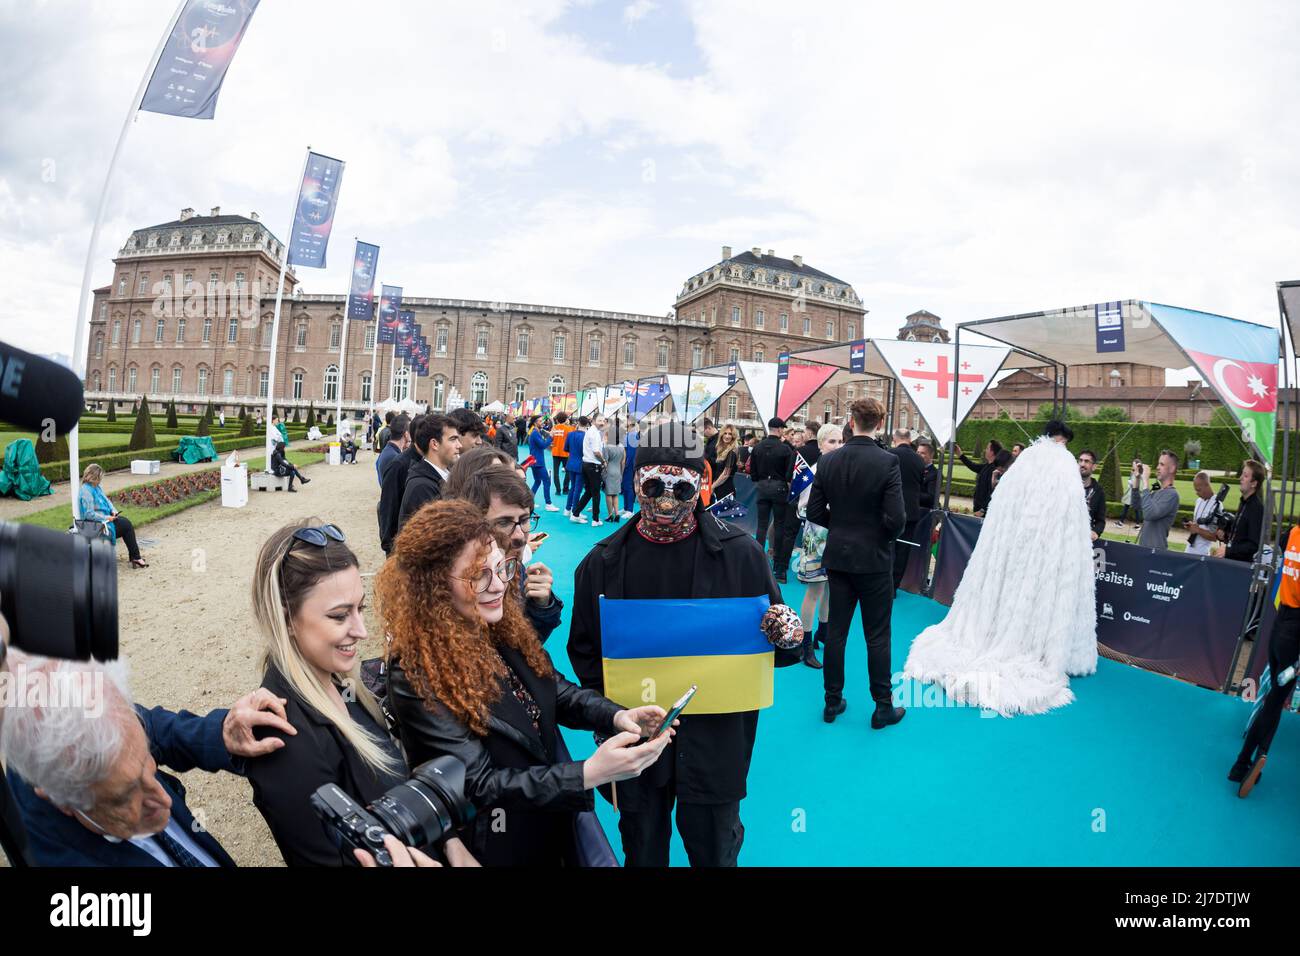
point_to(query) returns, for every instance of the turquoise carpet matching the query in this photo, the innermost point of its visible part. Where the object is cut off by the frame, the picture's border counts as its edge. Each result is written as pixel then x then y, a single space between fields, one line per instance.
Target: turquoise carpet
pixel 1131 774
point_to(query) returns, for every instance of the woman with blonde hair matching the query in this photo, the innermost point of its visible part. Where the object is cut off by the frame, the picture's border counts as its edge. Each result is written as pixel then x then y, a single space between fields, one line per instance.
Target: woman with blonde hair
pixel 308 600
pixel 95 506
pixel 726 462
pixel 468 678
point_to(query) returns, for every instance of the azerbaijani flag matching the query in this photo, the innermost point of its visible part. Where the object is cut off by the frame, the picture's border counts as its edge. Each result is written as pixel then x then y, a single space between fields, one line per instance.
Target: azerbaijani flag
pixel 1239 360
pixel 655 649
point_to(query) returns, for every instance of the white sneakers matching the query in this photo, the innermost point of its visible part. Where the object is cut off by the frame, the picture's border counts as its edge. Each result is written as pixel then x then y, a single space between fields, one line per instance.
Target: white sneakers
pixel 552 508
pixel 597 524
pixel 625 514
pixel 577 519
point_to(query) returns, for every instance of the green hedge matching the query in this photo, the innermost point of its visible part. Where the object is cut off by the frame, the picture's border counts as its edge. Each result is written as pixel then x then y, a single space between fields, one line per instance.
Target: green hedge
pixel 58 470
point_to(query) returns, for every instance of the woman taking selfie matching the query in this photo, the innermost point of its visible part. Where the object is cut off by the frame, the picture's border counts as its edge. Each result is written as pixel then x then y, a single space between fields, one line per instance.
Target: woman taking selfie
pixel 468 678
pixel 308 599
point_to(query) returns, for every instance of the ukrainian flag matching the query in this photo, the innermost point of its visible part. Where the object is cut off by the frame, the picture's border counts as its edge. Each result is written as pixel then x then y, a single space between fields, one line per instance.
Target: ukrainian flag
pixel 654 650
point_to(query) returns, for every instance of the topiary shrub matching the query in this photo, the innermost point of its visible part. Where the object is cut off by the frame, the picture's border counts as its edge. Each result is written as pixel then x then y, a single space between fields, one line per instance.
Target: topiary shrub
pixel 112 412
pixel 171 414
pixel 142 435
pixel 48 451
pixel 246 429
pixel 204 428
pixel 311 416
pixel 296 419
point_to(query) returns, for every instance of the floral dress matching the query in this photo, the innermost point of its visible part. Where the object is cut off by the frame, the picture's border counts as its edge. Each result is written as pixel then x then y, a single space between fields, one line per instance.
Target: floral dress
pixel 812 544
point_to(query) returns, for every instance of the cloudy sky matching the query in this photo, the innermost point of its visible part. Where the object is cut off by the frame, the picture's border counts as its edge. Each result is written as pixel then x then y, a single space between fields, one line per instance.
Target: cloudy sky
pixel 971 159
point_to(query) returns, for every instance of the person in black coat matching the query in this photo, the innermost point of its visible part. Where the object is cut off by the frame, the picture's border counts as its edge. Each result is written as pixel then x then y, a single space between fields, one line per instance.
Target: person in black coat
pixel 771 466
pixel 438 442
pixel 283 468
pixel 392 486
pixel 911 473
pixel 857 496
pixel 1094 496
pixel 929 497
pixel 469 679
pixel 983 475
pixel 680 551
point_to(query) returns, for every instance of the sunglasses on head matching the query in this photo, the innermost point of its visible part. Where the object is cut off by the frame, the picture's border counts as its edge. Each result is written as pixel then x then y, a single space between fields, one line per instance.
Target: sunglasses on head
pixel 683 490
pixel 320 536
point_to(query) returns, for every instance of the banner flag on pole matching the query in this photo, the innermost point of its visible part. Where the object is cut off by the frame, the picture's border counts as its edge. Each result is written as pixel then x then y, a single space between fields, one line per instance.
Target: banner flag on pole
pixel 858 355
pixel 361 299
pixel 405 334
pixel 195 58
pixel 783 366
pixel 612 401
pixel 1239 360
pixel 715 644
pixel 925 370
pixel 314 218
pixel 704 391
pixel 644 396
pixel 802 380
pixel 760 378
pixel 390 303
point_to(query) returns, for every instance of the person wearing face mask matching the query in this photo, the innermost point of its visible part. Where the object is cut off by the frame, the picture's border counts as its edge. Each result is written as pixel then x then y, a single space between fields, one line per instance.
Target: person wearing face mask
pixel 84 770
pixel 674 549
pixel 468 678
pixel 308 599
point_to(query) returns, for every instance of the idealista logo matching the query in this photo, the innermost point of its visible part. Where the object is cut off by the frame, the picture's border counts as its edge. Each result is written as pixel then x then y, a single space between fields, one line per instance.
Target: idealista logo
pixel 1115 577
pixel 76 909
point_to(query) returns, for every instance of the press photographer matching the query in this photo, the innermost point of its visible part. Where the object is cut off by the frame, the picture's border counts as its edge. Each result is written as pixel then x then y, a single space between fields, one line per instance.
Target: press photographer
pixel 1244 535
pixel 1207 515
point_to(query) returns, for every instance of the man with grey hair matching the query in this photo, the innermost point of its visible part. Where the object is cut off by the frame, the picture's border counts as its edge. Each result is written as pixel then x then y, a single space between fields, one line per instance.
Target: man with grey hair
pixel 83 765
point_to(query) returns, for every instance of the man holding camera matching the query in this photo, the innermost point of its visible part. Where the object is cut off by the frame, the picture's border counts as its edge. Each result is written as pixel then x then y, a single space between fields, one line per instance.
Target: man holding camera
pixel 1159 506
pixel 1243 541
pixel 1203 529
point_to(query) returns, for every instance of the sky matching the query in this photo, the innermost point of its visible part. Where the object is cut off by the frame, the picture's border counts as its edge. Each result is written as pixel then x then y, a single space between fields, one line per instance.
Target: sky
pixel 974 160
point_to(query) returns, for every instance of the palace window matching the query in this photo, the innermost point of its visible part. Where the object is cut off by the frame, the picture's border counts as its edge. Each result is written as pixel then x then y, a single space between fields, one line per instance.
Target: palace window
pixel 521 391
pixel 155 379
pixel 180 330
pixel 735 315
pixel 785 321
pixel 760 319
pixel 232 331
pixel 142 285
pixel 478 388
pixel 440 341
pixel 159 330
pixel 557 385
pixel 401 383
pixel 112 378
pixel 302 335
pixel 830 328
pixel 131 379
pixel 557 351
pixel 365 386
pixel 331 390
pixel 121 286
pixel 629 353
pixel 731 407
pixel 228 382
pixel 176 381
pixel 263 382
pixel 207 330
pixel 117 331
pixel 203 380
pixel 481 342
pixel 99 345
pixel 297 385
pixel 336 331
pixel 135 332
pixel 807 325
pixel 370 338
pixel 593 350
pixel 697 356
pixel 439 392
pixel 521 344
pixel 663 354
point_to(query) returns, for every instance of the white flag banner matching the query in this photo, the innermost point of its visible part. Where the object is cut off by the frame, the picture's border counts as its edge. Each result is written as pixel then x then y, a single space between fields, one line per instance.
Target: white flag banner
pixel 760 377
pixel 928 373
pixel 613 400
pixel 591 399
pixel 704 390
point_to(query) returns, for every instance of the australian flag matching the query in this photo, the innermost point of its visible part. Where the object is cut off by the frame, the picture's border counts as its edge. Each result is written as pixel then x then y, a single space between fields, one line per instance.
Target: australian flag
pixel 740 507
pixel 802 478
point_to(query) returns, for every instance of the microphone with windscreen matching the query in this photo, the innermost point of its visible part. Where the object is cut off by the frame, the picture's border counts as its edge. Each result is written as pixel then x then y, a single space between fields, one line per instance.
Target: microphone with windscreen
pixel 34 391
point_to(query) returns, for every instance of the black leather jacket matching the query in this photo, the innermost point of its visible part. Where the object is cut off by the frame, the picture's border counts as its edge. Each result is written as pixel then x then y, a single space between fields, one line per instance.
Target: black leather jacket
pixel 525 800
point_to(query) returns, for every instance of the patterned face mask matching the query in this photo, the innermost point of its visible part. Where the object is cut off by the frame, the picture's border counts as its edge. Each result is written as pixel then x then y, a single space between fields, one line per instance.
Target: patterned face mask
pixel 667 494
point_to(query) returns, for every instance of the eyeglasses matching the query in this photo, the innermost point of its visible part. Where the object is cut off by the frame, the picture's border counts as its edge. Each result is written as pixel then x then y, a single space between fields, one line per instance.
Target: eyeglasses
pixel 506 571
pixel 320 536
pixel 507 525
pixel 683 490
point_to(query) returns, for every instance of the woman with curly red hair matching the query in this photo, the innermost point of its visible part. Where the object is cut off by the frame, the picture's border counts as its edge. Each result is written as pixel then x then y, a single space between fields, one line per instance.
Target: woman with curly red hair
pixel 468 678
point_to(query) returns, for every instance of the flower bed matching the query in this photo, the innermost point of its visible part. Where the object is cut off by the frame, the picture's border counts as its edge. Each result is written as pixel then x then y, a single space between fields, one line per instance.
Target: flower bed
pixel 169 490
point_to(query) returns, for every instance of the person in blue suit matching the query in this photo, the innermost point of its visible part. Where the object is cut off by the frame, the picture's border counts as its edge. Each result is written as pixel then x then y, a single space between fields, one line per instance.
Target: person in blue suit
pixel 84 771
pixel 573 464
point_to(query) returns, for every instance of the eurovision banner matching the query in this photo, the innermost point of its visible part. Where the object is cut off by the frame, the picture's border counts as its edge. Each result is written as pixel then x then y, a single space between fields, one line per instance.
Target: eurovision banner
pixel 1163 611
pixel 390 303
pixel 703 392
pixel 314 217
pixel 653 650
pixel 405 336
pixel 1239 360
pixel 195 58
pixel 361 297
pixel 927 370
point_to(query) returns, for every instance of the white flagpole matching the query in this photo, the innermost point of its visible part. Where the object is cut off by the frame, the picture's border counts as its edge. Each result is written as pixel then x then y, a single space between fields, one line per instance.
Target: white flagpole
pixel 275 322
pixel 343 347
pixel 82 330
pixel 374 354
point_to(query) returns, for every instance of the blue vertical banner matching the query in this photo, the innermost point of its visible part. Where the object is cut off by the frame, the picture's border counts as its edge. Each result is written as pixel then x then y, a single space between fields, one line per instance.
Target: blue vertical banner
pixel 314 217
pixel 390 303
pixel 858 355
pixel 361 298
pixel 1110 326
pixel 732 374
pixel 783 366
pixel 405 335
pixel 194 60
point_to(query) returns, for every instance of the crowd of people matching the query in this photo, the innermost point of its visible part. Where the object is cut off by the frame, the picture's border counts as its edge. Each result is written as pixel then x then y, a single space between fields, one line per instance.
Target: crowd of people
pixel 466 610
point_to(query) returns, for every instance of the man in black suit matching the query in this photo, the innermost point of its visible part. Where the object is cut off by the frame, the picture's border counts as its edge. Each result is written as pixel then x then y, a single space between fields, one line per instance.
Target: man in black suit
pixel 392 485
pixel 771 466
pixel 929 498
pixel 438 439
pixel 983 475
pixel 858 496
pixel 911 471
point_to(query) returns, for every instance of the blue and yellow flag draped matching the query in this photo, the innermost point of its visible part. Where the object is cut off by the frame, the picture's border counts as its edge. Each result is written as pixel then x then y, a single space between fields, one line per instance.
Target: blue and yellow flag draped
pixel 655 649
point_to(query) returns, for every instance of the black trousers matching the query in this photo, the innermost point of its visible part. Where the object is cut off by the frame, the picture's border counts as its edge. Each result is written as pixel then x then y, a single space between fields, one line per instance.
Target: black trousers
pixel 1283 648
pixel 560 473
pixel 591 490
pixel 875 594
pixel 126 531
pixel 773 504
pixel 790 533
pixel 903 550
pixel 712 832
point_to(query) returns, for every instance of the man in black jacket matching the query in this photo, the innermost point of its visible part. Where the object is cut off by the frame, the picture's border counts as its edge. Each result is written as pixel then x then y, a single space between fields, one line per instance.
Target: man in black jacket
pixel 929 497
pixel 771 465
pixel 674 549
pixel 911 473
pixel 1094 496
pixel 438 439
pixel 983 476
pixel 392 480
pixel 857 496
pixel 1249 526
pixel 506 439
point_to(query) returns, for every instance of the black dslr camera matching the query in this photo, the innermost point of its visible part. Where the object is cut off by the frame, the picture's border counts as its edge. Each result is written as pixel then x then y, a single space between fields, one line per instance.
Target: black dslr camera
pixel 420 812
pixel 1224 521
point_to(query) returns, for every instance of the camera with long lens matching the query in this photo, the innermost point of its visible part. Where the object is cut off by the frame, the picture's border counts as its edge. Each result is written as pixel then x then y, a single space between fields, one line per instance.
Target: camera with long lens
pixel 1219 519
pixel 420 812
pixel 58 593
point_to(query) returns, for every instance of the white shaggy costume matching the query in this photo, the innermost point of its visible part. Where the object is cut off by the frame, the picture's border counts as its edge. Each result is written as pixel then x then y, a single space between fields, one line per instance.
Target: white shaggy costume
pixel 1024 618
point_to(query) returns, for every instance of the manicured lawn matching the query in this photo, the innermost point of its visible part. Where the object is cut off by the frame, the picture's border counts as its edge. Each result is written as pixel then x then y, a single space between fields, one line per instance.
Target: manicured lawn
pixel 87 442
pixel 59 517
